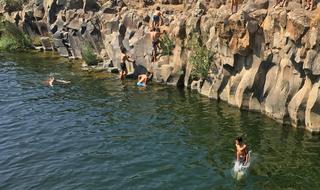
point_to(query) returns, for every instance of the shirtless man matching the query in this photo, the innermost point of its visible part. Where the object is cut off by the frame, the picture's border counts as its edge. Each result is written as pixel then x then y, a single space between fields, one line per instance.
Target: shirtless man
pixel 157 18
pixel 123 58
pixel 143 79
pixel 234 6
pixel 281 3
pixel 241 151
pixel 309 4
pixel 51 80
pixel 155 37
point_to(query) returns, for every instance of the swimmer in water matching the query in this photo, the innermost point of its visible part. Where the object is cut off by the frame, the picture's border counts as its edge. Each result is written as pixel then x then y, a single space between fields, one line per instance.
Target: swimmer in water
pixel 143 79
pixel 241 151
pixel 51 80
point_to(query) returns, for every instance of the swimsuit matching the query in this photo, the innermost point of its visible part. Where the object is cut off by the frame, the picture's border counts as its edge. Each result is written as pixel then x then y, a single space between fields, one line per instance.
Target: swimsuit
pixel 123 66
pixel 155 44
pixel 156 18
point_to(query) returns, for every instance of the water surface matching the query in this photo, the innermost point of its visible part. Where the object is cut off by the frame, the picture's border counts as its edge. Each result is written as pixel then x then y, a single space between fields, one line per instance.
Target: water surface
pixel 99 134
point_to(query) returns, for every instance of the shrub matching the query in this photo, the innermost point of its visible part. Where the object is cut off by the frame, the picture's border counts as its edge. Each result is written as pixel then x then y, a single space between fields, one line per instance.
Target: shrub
pixel 166 45
pixel 200 57
pixel 13 5
pixel 12 38
pixel 88 54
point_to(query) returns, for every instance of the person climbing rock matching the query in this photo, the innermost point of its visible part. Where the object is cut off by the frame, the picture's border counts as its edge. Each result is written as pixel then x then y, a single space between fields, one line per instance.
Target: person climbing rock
pixel 241 151
pixel 123 58
pixel 234 6
pixel 157 18
pixel 309 4
pixel 144 78
pixel 281 3
pixel 155 37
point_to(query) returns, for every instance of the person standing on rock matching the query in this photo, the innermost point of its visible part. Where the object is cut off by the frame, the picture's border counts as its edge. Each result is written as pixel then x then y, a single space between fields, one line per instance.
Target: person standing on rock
pixel 309 4
pixel 157 18
pixel 281 3
pixel 155 37
pixel 234 6
pixel 123 58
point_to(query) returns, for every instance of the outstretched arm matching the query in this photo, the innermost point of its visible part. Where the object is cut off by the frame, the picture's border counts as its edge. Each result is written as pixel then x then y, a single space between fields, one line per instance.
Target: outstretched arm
pixel 129 59
pixel 243 148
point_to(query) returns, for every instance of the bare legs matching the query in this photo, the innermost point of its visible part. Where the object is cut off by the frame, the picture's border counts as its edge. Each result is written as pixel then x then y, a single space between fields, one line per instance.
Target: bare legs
pixel 234 6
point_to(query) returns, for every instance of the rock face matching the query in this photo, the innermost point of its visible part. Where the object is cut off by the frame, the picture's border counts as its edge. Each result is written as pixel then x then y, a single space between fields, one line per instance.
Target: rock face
pixel 265 59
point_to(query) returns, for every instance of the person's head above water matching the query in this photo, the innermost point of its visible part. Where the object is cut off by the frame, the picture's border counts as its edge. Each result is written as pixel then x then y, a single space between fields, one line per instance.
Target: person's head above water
pixel 158 8
pixel 238 140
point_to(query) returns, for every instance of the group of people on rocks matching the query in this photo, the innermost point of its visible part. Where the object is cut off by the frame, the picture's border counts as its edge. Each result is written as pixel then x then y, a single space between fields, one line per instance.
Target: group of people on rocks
pixel 155 34
pixel 309 4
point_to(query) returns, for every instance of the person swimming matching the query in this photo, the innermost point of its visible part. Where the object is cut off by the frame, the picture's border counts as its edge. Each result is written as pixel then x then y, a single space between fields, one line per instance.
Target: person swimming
pixel 51 80
pixel 241 151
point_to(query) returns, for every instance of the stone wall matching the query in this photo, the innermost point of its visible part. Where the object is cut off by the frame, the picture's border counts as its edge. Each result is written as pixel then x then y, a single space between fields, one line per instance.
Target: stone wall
pixel 266 59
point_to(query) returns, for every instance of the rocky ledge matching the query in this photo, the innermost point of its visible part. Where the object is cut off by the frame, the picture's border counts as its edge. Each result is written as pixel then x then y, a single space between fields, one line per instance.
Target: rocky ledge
pixel 265 59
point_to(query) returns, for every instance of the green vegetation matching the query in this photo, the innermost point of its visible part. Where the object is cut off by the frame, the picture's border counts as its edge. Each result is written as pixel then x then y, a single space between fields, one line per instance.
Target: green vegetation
pixel 200 57
pixel 12 38
pixel 13 5
pixel 166 45
pixel 88 54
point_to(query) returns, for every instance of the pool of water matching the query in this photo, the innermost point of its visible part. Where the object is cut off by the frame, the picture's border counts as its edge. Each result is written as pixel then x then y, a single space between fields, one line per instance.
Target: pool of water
pixel 97 133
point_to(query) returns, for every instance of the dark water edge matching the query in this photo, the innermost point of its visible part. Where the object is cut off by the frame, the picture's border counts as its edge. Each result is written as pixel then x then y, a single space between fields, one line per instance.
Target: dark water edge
pixel 99 134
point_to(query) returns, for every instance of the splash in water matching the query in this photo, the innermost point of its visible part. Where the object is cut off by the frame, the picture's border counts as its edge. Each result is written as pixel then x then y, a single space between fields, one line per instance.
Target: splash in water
pixel 240 170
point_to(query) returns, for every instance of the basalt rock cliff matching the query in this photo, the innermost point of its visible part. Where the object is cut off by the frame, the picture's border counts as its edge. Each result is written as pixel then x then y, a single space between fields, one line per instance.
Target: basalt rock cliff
pixel 265 59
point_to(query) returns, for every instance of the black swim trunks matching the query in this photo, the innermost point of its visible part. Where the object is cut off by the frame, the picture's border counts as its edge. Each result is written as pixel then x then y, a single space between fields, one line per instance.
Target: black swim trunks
pixel 155 44
pixel 123 66
pixel 156 18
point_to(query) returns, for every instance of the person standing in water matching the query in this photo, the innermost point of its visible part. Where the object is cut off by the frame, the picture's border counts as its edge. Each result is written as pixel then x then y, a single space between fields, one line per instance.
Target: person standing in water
pixel 241 151
pixel 123 58
pixel 143 79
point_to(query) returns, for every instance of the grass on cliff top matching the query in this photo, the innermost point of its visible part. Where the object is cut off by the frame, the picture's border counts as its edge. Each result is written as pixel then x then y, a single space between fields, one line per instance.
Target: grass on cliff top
pixel 13 5
pixel 12 38
pixel 88 54
pixel 200 57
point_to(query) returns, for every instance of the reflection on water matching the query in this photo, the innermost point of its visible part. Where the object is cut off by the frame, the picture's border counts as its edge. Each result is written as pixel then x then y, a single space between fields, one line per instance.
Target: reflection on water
pixel 99 134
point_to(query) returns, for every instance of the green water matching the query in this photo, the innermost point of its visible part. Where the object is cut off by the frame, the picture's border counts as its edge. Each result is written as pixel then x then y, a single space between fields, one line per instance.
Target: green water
pixel 99 134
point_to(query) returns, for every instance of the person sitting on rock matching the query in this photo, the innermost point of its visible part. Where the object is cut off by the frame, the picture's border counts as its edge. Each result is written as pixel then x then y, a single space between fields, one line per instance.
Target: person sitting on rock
pixel 157 18
pixel 123 58
pixel 144 78
pixel 281 3
pixel 234 6
pixel 155 37
pixel 309 4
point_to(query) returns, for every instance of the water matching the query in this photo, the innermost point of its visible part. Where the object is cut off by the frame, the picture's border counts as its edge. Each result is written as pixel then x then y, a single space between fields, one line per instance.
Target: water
pixel 97 134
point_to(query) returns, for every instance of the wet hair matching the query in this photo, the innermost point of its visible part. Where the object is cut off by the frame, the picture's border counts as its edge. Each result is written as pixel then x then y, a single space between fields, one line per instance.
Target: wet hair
pixel 153 29
pixel 158 8
pixel 123 50
pixel 239 139
pixel 157 29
